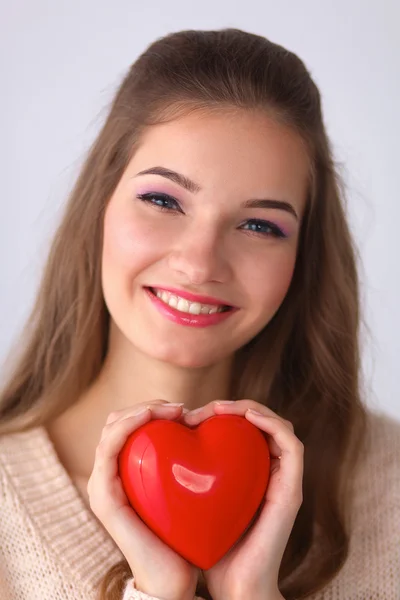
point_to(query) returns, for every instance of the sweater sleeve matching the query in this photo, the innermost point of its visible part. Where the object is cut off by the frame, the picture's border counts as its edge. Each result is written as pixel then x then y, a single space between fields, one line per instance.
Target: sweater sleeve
pixel 131 593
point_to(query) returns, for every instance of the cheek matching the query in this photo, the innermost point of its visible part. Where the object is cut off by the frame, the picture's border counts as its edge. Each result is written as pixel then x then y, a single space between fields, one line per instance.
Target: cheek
pixel 270 279
pixel 129 248
pixel 127 242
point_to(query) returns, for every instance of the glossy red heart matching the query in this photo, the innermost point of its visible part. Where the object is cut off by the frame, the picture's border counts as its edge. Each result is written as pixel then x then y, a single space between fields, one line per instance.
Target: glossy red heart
pixel 196 488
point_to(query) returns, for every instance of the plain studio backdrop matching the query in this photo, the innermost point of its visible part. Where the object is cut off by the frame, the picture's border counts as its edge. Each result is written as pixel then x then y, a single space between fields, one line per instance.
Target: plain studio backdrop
pixel 62 61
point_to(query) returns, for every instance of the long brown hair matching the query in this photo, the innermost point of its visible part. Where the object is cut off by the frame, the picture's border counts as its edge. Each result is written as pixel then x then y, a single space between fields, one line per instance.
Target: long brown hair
pixel 305 364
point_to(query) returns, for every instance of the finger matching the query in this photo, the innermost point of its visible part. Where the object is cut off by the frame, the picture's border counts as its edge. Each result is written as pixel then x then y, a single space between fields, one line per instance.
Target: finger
pixel 288 490
pixel 131 410
pixel 235 407
pixel 239 407
pixel 114 436
pixel 107 497
pixel 240 410
pixel 158 411
pixel 196 416
pixel 101 485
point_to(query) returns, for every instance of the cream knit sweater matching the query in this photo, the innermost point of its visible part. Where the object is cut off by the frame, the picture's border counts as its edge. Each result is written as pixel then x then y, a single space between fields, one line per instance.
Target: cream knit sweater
pixel 52 547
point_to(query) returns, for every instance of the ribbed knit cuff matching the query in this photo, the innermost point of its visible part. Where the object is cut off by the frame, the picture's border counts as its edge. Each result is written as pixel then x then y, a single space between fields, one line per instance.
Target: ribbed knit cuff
pixel 131 593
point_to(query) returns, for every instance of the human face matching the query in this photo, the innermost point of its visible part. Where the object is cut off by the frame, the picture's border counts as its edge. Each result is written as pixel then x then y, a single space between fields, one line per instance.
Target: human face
pixel 207 242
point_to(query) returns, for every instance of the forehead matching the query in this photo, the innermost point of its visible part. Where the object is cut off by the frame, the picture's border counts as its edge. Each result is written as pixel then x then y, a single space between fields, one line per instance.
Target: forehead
pixel 244 153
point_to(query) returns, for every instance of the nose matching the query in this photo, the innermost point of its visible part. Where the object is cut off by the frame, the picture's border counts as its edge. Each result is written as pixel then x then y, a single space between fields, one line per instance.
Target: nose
pixel 201 255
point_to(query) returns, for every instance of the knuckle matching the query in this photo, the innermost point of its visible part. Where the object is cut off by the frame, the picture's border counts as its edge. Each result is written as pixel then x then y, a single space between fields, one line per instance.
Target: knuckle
pixel 101 450
pixel 248 403
pixel 113 416
pixel 107 428
pixel 289 424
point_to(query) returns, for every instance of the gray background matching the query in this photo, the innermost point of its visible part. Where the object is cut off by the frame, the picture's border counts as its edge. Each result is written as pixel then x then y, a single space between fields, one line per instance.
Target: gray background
pixel 61 63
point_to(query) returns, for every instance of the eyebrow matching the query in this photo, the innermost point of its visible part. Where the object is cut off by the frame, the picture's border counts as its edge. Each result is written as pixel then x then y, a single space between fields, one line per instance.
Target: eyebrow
pixel 194 188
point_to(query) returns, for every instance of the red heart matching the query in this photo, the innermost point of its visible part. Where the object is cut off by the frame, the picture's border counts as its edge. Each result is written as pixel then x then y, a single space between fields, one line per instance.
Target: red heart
pixel 196 488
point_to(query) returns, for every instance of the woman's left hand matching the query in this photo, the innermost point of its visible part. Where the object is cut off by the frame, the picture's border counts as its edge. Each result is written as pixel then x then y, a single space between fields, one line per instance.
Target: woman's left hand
pixel 250 569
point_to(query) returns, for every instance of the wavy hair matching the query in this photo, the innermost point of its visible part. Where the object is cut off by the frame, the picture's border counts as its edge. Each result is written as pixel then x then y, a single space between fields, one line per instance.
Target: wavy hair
pixel 305 364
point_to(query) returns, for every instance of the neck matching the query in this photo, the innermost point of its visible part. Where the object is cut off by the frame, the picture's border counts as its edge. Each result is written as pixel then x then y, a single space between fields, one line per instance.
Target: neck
pixel 128 378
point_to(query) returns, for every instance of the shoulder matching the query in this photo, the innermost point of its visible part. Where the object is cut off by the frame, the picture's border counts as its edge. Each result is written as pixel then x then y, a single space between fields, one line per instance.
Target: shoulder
pixel 6 453
pixel 378 477
pixel 20 454
pixel 384 426
pixel 8 456
pixel 382 452
pixel 371 567
pixel 375 529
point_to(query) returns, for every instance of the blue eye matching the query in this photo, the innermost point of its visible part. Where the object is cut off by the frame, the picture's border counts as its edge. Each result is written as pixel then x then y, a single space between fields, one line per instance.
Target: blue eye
pixel 259 223
pixel 160 198
pixel 161 201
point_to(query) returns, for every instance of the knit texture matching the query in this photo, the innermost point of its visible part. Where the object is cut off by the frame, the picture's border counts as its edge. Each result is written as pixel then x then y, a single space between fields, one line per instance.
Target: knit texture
pixel 52 547
pixel 131 593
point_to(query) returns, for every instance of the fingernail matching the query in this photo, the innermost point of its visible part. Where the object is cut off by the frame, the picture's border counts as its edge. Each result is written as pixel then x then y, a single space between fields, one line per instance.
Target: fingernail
pixel 174 404
pixel 255 412
pixel 225 402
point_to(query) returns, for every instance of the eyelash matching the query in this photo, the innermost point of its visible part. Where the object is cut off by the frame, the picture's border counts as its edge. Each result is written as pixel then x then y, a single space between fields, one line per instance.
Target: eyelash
pixel 276 231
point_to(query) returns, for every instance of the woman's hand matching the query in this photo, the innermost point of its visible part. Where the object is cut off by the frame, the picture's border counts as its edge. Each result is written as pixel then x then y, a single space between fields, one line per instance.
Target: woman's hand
pixel 157 569
pixel 250 569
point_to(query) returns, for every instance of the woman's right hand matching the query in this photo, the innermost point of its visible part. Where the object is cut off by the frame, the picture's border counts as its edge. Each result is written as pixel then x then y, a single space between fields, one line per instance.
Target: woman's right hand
pixel 158 570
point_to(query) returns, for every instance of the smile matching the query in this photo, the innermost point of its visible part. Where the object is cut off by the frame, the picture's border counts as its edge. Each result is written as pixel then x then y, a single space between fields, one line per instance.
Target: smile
pixel 183 305
pixel 205 315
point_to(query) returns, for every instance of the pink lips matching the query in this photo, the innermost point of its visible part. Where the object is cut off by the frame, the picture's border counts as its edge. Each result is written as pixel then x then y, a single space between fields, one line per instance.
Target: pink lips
pixel 188 319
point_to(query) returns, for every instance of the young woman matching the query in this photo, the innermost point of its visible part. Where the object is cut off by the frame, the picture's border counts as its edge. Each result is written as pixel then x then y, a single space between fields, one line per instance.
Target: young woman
pixel 204 256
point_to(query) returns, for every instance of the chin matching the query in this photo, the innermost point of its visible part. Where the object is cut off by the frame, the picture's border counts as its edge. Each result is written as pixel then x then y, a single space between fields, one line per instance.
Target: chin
pixel 185 360
pixel 180 355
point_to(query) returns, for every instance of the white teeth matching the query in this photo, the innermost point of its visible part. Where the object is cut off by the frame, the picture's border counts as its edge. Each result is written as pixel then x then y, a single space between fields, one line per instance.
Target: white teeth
pixel 183 305
pixel 173 301
pixel 193 308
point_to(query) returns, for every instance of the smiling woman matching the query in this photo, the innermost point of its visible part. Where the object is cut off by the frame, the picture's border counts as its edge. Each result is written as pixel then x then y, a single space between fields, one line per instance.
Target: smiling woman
pixel 203 267
pixel 205 238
